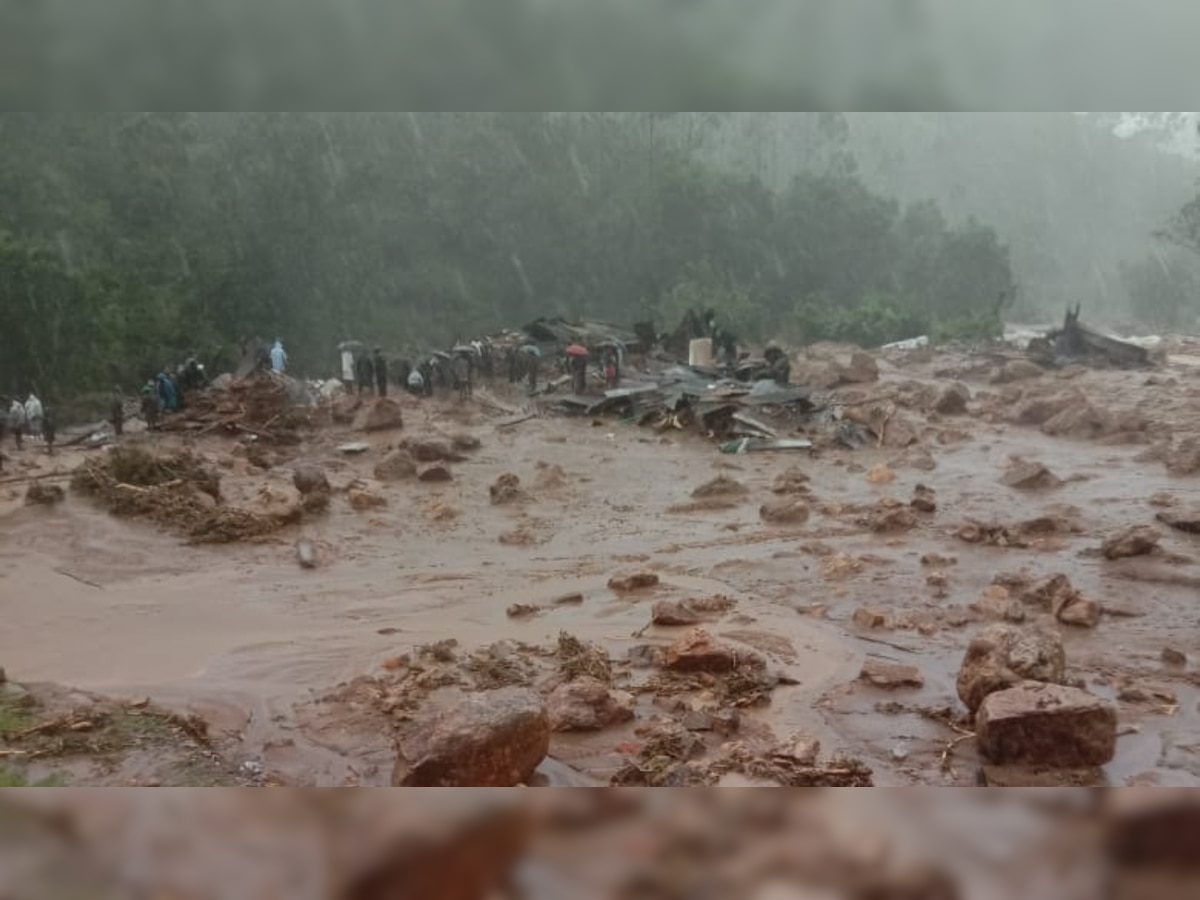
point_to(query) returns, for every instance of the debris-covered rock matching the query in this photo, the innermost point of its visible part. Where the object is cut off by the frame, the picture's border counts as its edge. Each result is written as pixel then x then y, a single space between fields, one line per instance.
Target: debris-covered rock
pixel 672 614
pixel 396 466
pixel 384 414
pixel 1140 540
pixel 1002 656
pixel 784 511
pixel 1046 724
pixel 587 704
pixel 698 651
pixel 491 739
pixel 891 675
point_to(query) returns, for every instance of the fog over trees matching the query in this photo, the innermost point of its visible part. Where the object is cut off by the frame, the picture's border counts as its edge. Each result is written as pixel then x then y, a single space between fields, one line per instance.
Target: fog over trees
pixel 128 239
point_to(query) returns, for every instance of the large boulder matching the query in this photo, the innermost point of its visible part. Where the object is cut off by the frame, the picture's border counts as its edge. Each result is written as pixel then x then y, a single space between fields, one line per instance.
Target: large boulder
pixel 861 369
pixel 383 415
pixel 491 739
pixel 1003 656
pixel 396 466
pixel 1046 724
pixel 586 704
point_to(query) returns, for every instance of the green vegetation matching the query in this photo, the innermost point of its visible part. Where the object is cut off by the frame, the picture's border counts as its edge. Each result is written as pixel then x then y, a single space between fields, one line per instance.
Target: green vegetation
pixel 128 239
pixel 12 778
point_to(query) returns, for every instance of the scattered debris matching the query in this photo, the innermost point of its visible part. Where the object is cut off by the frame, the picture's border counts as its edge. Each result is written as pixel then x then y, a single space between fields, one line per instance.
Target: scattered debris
pixel 353 448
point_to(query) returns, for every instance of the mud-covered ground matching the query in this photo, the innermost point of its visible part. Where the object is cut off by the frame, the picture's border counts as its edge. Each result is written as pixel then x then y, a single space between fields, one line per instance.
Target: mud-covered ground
pixel 303 675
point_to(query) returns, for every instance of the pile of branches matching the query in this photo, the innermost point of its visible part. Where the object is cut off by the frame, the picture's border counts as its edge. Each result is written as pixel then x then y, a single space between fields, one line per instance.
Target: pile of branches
pixel 175 491
pixel 259 404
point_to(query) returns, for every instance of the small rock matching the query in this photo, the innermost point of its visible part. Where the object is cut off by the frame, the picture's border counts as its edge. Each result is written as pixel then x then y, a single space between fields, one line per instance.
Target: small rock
pixel 464 441
pixel 522 611
pixel 1080 612
pixel 426 451
pixel 891 675
pixel 726 721
pixel 698 720
pixel 396 466
pixel 506 489
pixel 885 519
pixel 633 581
pixel 1139 540
pixel 1002 656
pixel 806 750
pixel 697 651
pixel 953 400
pixel 881 473
pixel 1174 657
pixel 1186 520
pixel 861 369
pixel 924 500
pixel 672 614
pixel 899 753
pixel 784 511
pixel 363 500
pixel 870 618
pixel 1030 476
pixel 434 472
pixel 586 704
pixel 791 481
pixel 491 739
pixel 935 560
pixel 383 415
pixel 573 599
pixel 310 478
pixel 1046 724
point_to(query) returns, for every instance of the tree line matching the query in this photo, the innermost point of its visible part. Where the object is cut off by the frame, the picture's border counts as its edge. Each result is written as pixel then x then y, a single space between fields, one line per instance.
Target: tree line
pixel 128 240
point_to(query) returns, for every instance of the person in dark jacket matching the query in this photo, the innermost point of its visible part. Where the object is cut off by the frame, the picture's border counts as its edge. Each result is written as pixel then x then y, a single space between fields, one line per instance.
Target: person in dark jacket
pixel 49 429
pixel 381 372
pixel 364 373
pixel 116 411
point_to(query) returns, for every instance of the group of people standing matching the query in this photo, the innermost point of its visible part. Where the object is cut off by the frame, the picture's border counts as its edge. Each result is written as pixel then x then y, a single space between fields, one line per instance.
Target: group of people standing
pixel 28 419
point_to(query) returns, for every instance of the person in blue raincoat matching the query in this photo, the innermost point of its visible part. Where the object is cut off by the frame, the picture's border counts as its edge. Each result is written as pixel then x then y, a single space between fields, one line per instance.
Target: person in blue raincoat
pixel 167 397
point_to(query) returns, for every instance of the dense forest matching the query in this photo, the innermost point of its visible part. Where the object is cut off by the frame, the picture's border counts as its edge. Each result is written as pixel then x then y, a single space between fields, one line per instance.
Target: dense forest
pixel 129 239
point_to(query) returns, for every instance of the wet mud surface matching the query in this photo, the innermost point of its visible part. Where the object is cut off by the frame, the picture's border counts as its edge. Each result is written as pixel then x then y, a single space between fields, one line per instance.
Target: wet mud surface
pixel 286 663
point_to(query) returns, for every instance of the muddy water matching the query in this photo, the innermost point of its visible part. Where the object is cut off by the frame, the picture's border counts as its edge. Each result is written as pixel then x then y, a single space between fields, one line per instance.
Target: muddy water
pixel 244 635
